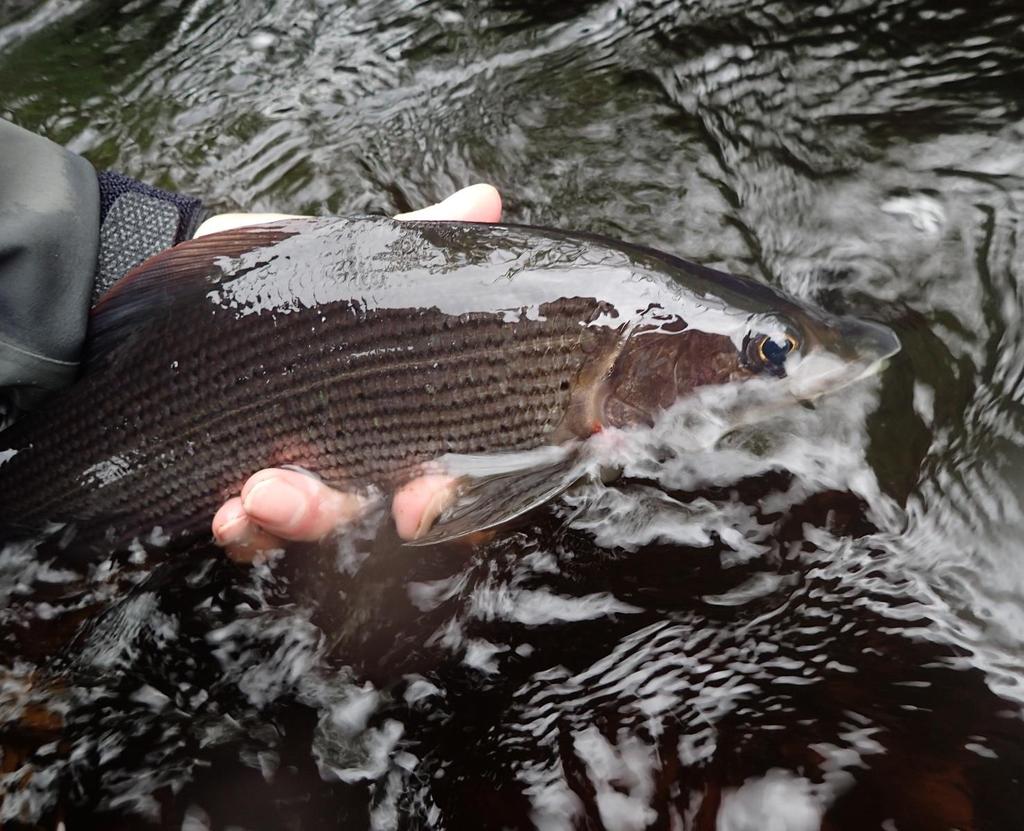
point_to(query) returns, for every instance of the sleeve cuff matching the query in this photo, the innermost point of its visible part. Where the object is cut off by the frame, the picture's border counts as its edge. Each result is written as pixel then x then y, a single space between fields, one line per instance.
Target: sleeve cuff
pixel 136 222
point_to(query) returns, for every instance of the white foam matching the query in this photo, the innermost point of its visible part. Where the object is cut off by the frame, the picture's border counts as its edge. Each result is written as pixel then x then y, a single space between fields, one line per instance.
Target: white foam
pixel 636 515
pixel 694 446
pixel 368 758
pixel 622 777
pixel 419 689
pixel 925 213
pixel 262 41
pixel 553 805
pixel 777 801
pixel 538 607
pixel 351 715
pixel 483 655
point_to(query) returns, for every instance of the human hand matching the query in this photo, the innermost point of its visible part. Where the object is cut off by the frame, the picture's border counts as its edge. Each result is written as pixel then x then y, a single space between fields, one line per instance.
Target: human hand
pixel 278 505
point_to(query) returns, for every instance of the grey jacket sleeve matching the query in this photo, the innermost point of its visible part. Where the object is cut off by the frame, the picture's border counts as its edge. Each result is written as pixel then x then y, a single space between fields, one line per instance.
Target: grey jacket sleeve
pixel 49 241
pixel 67 233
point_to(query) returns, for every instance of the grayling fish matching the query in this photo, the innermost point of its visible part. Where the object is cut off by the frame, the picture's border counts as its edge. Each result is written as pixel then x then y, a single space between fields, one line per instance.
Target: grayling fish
pixel 363 349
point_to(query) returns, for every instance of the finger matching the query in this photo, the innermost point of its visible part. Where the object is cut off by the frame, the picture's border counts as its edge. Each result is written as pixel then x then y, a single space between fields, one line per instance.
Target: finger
pixel 228 222
pixel 295 506
pixel 477 203
pixel 419 503
pixel 241 538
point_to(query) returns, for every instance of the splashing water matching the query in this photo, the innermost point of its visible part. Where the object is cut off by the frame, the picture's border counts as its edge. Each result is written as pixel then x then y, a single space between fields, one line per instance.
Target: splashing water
pixel 812 621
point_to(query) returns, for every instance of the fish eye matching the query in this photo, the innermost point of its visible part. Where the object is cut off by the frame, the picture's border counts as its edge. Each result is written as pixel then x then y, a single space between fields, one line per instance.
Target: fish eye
pixel 768 352
pixel 773 349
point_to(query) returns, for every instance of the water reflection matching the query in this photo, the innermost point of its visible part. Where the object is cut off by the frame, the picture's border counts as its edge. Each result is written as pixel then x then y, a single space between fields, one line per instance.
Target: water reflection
pixel 816 625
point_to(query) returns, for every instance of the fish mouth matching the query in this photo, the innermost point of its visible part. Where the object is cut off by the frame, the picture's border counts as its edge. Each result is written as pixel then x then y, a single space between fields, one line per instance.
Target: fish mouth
pixel 856 349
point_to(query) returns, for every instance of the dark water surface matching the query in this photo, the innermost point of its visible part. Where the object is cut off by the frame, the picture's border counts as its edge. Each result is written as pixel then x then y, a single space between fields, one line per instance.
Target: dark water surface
pixel 819 623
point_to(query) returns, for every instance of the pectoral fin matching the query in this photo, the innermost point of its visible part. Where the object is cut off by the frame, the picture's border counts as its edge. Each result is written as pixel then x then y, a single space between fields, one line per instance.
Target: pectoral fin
pixel 496 488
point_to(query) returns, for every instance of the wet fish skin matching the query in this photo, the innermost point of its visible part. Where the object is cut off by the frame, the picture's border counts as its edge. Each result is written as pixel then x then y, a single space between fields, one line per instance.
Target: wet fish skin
pixel 362 349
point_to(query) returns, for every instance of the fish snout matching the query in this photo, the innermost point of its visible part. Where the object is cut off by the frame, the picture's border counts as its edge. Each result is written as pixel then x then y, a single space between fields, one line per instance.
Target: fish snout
pixel 849 350
pixel 866 342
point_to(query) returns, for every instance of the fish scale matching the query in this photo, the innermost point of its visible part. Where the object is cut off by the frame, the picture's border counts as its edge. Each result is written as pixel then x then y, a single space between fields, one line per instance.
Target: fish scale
pixel 380 420
pixel 362 349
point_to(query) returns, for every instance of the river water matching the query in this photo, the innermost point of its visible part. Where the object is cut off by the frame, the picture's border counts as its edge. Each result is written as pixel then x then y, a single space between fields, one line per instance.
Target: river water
pixel 816 624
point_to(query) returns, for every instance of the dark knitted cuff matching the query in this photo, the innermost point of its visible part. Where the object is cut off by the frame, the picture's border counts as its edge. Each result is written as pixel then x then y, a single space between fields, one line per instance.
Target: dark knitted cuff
pixel 136 222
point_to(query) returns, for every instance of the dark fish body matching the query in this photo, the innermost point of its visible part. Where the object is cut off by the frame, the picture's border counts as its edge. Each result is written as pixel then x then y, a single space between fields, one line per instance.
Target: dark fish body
pixel 362 349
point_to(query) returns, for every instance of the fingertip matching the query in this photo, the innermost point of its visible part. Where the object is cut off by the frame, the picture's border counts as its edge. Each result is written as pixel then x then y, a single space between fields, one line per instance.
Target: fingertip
pixel 236 533
pixel 228 222
pixel 477 203
pixel 296 506
pixel 279 503
pixel 419 503
pixel 261 476
pixel 230 523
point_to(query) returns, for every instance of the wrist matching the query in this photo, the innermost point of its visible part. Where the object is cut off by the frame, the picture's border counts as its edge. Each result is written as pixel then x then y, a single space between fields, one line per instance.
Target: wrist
pixel 136 222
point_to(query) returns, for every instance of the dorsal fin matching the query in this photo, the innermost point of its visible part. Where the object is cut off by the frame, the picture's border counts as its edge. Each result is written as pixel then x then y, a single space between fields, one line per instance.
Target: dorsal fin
pixel 168 278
